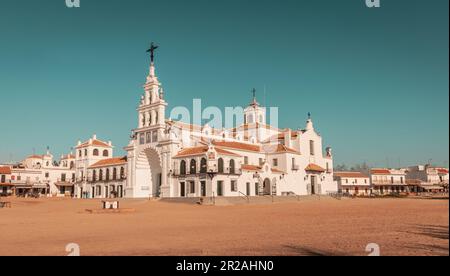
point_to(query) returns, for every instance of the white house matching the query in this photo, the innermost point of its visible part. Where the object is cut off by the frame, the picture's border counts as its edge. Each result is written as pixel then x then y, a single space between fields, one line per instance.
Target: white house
pixel 353 183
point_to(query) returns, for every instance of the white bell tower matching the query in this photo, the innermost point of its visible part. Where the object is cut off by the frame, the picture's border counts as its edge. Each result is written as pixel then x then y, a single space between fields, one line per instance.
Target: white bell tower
pixel 152 108
pixel 254 113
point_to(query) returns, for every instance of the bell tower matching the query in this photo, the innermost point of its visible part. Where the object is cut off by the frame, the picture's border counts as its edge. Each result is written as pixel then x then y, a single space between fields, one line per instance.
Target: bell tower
pixel 254 113
pixel 152 107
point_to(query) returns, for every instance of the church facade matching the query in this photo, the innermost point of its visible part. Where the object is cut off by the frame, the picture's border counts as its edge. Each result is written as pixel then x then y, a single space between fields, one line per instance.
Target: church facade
pixel 167 158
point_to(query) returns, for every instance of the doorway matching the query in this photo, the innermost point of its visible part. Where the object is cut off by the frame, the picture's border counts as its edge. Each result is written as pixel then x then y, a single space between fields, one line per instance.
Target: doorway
pixel 313 184
pixel 183 189
pixel 203 188
pixel 219 188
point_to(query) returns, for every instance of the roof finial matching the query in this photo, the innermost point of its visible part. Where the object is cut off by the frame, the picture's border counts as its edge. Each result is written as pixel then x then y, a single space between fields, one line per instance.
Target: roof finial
pixel 309 115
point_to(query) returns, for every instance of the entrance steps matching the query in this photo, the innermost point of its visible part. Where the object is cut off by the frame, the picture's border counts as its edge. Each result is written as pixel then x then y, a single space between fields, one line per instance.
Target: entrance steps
pixel 230 201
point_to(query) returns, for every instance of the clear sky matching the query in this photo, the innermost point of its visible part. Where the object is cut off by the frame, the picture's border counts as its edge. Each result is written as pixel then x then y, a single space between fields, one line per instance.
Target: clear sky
pixel 375 80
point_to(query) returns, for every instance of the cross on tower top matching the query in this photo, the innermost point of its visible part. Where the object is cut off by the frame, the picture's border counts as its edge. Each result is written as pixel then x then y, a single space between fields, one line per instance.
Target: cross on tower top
pixel 151 50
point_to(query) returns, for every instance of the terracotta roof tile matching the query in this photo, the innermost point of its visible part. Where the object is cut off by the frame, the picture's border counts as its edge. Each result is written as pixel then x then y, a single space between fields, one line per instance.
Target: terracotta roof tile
pixel 237 146
pixel 380 171
pixel 110 162
pixel 350 174
pixel 95 142
pixel 5 170
pixel 314 168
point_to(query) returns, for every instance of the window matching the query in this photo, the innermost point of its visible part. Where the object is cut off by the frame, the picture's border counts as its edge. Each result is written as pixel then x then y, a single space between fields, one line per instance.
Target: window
pixel 107 174
pixel 100 175
pixel 261 119
pixel 182 167
pixel 220 165
pixel 293 164
pixel 63 177
pixel 73 177
pixel 105 153
pixel 141 138
pixel 365 181
pixel 234 186
pixel 79 153
pixel 203 165
pixel 193 167
pixel 311 147
pixel 47 175
pixel 154 136
pixel 246 160
pixel 261 161
pixel 122 173
pixel 401 180
pixel 392 180
pixel 114 176
pixel 85 152
pixel 72 165
pixel 148 136
pixel 328 167
pixel 3 179
pixel 356 181
pixel 275 162
pixel 99 190
pixel 346 181
pixel 95 153
pixel 232 167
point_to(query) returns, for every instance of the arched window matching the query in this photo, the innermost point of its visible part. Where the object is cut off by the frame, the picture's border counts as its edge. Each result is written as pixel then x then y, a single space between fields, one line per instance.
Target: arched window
pixel 72 165
pixel 182 167
pixel 105 153
pixel 220 165
pixel 95 153
pixel 203 166
pixel 79 153
pixel 122 173
pixel 193 167
pixel 232 167
pixel 100 175
pixel 114 174
pixel 107 174
pixel 250 119
pixel 94 175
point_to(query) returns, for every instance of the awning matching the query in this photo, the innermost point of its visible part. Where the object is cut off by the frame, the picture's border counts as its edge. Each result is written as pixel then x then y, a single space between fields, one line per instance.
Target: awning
pixel 431 187
pixel 62 184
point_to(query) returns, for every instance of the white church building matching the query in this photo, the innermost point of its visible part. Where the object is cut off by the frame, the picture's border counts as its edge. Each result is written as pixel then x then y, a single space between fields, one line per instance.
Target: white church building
pixel 167 158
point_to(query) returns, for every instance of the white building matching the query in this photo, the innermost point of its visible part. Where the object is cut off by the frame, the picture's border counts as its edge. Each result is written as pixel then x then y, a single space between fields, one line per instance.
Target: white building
pixel 174 159
pixel 98 173
pixel 353 183
pixel 388 181
pixel 40 174
pixel 427 178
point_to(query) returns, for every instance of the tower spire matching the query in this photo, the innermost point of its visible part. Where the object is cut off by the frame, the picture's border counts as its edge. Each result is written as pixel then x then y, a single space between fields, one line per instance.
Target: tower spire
pixel 254 101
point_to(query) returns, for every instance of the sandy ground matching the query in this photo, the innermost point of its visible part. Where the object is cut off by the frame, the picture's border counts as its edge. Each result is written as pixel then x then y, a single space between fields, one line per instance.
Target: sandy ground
pixel 325 227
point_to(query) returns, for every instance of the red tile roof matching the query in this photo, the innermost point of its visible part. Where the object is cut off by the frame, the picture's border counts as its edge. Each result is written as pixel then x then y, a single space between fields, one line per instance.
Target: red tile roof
pixel 250 168
pixel 314 168
pixel 237 146
pixel 442 171
pixel 380 171
pixel 350 174
pixel 110 162
pixel 5 170
pixel 95 142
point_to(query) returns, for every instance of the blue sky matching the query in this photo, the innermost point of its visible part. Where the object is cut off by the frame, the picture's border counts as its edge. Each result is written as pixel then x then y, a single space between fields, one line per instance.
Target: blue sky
pixel 375 80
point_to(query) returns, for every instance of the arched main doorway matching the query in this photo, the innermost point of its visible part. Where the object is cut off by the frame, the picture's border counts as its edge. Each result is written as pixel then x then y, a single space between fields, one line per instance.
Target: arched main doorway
pixel 149 172
pixel 266 186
